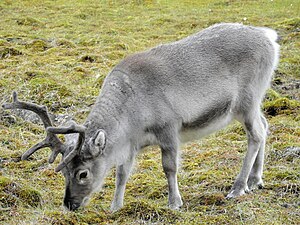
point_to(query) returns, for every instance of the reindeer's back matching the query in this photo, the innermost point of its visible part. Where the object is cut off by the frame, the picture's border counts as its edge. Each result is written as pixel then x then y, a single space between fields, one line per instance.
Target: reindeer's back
pixel 219 68
pixel 222 52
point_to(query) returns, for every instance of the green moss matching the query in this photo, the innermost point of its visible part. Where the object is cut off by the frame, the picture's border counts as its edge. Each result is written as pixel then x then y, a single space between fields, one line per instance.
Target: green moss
pixel 100 80
pixel 213 199
pixel 271 94
pixel 3 42
pixel 59 218
pixel 290 24
pixel 286 175
pixel 93 217
pixel 38 45
pixel 277 81
pixel 142 210
pixel 281 106
pixel 30 196
pixel 44 86
pixel 121 46
pixel 35 73
pixel 6 199
pixel 283 174
pixel 28 21
pixel 81 217
pixel 3 83
pixel 117 54
pixel 4 181
pixel 3 66
pixel 64 43
pixel 12 193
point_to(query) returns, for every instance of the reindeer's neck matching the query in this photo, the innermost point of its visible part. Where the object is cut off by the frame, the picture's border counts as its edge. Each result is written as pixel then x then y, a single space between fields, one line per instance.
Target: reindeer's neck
pixel 111 110
pixel 111 113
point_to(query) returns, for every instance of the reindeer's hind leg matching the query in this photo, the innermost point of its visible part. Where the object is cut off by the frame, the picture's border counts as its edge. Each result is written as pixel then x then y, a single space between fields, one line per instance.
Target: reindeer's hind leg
pixel 255 177
pixel 256 134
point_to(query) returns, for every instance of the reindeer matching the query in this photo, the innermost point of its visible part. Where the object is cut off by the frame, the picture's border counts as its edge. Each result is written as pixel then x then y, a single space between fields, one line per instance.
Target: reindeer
pixel 165 96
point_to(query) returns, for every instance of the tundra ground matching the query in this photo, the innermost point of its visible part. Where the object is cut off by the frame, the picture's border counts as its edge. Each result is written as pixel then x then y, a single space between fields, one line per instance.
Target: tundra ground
pixel 57 53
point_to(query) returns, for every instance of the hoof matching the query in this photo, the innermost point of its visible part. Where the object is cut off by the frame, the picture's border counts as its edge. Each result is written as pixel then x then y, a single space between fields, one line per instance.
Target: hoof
pixel 254 183
pixel 176 204
pixel 115 208
pixel 237 192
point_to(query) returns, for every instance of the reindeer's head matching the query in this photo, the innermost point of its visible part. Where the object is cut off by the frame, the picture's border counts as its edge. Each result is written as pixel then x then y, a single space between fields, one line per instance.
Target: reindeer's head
pixel 84 170
pixel 81 171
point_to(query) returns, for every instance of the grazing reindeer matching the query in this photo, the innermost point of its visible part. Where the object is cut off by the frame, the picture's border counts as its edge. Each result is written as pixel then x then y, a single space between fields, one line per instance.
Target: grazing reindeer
pixel 174 92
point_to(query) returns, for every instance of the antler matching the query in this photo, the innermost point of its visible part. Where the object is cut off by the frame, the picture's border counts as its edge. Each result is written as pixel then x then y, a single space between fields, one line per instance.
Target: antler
pixel 51 140
pixel 73 128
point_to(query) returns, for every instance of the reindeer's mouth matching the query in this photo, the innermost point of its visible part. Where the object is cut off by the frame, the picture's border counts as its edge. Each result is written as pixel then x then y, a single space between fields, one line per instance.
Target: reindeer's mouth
pixel 73 206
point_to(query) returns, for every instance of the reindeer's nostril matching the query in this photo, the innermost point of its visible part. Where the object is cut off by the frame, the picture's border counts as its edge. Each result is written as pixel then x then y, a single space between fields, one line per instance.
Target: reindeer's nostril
pixel 74 206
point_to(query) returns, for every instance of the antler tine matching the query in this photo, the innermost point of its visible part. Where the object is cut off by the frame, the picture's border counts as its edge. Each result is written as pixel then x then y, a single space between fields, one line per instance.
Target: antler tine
pixel 41 111
pixel 34 148
pixel 73 128
pixel 51 139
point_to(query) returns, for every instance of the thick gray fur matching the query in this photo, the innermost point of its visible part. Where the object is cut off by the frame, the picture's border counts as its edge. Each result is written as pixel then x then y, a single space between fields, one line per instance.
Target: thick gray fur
pixel 175 93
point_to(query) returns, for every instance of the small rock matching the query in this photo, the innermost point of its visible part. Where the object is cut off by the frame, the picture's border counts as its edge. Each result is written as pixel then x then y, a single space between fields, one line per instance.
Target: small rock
pixel 292 151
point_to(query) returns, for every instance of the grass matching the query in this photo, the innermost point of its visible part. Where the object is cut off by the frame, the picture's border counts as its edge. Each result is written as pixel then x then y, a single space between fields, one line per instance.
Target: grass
pixel 57 53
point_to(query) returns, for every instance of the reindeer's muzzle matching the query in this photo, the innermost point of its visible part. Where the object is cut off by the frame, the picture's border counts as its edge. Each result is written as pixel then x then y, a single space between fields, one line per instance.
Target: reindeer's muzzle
pixel 71 205
pixel 69 202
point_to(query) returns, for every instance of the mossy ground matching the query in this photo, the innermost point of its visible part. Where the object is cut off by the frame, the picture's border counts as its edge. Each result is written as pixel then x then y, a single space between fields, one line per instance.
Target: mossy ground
pixel 57 53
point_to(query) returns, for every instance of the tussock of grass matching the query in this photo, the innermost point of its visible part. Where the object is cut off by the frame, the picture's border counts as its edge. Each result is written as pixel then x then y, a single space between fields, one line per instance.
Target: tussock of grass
pixel 281 106
pixel 38 46
pixel 63 43
pixel 13 194
pixel 28 21
pixel 146 212
pixel 8 52
pixel 291 24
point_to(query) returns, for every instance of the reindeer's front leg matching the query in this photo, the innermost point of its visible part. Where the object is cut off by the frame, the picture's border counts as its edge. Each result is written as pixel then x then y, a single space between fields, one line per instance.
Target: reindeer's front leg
pixel 123 172
pixel 170 153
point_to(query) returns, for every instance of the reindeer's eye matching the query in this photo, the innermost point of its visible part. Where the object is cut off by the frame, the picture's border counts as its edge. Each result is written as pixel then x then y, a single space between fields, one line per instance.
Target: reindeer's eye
pixel 82 175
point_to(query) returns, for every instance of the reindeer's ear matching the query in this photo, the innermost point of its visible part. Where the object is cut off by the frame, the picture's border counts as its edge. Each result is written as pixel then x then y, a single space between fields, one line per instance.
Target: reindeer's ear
pixel 99 141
